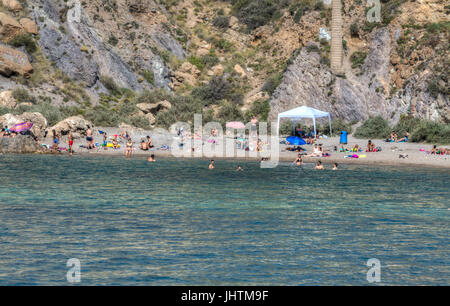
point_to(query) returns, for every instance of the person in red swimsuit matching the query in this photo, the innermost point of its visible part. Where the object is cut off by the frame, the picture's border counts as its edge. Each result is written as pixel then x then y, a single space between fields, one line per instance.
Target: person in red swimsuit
pixel 70 137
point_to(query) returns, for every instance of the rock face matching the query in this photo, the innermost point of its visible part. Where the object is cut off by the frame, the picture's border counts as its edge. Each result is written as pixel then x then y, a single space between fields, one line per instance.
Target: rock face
pixel 39 122
pixel 76 124
pixel 355 98
pixel 29 26
pixel 149 110
pixel 13 61
pixel 154 108
pixel 20 144
pixel 187 74
pixel 67 56
pixel 12 5
pixel 9 27
pixel 122 62
pixel 7 99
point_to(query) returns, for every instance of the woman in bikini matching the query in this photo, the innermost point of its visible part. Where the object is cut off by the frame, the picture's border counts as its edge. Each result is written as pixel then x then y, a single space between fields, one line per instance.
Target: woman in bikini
pixel 129 148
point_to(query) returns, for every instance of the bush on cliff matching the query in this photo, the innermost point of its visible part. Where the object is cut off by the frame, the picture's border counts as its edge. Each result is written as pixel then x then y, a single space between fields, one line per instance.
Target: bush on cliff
pixel 375 127
pixel 431 132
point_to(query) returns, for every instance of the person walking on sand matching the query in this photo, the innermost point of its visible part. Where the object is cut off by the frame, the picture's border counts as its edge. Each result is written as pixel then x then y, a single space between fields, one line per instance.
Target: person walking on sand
pixel 55 138
pixel 89 139
pixel 70 139
pixel 129 148
pixel 105 141
pixel 211 165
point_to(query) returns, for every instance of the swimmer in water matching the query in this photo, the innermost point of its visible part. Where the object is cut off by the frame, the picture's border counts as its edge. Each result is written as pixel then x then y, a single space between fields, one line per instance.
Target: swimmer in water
pixel 299 160
pixel 319 166
pixel 211 165
pixel 239 168
pixel 335 166
pixel 151 159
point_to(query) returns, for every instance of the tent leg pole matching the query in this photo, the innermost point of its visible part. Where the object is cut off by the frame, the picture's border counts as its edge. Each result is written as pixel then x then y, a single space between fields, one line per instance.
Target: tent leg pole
pixel 331 131
pixel 315 131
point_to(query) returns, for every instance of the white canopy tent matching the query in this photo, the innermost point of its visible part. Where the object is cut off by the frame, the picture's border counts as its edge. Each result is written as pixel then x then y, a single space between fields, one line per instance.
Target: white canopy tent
pixel 304 112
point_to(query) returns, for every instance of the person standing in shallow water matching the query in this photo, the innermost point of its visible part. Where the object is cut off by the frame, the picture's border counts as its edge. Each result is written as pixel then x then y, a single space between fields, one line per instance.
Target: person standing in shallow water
pixel 70 138
pixel 89 139
pixel 151 159
pixel 211 165
pixel 129 148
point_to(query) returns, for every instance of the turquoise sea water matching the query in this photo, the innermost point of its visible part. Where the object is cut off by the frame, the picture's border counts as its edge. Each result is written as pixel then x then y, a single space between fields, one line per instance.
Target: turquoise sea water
pixel 177 223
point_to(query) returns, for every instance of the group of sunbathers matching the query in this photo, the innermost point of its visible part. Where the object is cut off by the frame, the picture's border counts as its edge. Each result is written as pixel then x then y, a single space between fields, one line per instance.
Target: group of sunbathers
pixel 5 132
pixel 393 137
pixel 439 151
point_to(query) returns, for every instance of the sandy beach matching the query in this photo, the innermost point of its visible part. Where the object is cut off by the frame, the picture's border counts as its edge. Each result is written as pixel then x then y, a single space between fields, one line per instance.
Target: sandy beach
pixel 389 156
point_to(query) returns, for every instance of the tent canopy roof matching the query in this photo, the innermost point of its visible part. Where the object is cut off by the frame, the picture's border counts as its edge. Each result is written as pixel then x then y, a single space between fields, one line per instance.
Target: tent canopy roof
pixel 303 112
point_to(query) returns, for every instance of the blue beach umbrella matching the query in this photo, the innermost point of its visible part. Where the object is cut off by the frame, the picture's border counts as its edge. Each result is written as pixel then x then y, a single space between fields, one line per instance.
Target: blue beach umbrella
pixel 294 140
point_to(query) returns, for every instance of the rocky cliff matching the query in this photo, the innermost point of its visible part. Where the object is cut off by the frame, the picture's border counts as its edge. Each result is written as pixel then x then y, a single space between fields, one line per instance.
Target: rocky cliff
pixel 231 60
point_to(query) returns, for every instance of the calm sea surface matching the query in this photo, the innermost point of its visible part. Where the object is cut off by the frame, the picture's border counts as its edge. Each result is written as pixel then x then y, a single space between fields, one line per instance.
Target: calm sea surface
pixel 177 223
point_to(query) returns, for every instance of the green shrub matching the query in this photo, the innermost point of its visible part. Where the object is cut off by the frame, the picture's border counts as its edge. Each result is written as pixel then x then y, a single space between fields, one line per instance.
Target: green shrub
pixel 406 124
pixel 272 83
pixel 113 40
pixel 153 96
pixel 260 109
pixel 358 58
pixel 375 127
pixel 183 110
pixel 431 132
pixel 222 22
pixel 196 61
pixel 103 116
pixel 24 40
pixel 337 126
pixel 229 112
pixel 354 30
pixel 256 13
pixel 149 77
pixel 207 60
pixel 23 95
pixel 109 84
pixel 218 88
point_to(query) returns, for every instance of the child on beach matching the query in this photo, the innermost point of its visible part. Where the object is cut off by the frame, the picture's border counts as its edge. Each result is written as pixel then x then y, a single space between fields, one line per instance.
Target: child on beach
pixel 115 143
pixel 356 148
pixel 370 146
